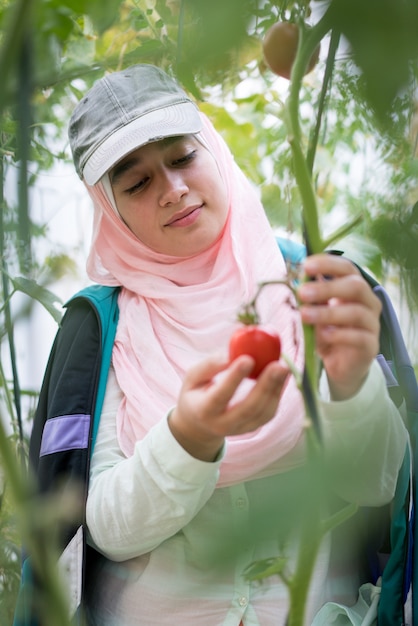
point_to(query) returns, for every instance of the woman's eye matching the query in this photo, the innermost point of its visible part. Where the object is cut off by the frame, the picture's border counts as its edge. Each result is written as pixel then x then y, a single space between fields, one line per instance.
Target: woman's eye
pixel 137 186
pixel 185 159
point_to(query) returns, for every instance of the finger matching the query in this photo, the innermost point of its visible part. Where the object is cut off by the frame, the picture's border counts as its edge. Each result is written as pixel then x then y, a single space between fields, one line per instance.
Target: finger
pixel 362 340
pixel 269 385
pixel 328 265
pixel 350 288
pixel 333 267
pixel 203 372
pixel 223 388
pixel 260 404
pixel 341 315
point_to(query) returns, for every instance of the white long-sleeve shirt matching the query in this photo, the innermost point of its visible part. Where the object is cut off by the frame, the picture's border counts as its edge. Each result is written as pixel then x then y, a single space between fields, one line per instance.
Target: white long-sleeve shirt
pixel 163 525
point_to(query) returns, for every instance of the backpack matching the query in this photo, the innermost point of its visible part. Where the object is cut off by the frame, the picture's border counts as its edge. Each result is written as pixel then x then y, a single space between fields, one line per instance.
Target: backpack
pixel 88 330
pixel 389 530
pixel 64 428
pixel 399 569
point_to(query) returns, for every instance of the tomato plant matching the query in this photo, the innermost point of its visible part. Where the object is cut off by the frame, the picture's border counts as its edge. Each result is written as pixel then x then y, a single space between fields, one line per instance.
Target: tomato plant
pixel 261 343
pixel 280 45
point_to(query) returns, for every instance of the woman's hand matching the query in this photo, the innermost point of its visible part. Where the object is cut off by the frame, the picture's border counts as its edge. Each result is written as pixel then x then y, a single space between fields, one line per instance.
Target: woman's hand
pixel 342 307
pixel 205 415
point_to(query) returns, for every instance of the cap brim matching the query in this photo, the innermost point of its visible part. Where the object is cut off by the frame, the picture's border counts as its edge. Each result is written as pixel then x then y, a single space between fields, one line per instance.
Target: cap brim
pixel 173 121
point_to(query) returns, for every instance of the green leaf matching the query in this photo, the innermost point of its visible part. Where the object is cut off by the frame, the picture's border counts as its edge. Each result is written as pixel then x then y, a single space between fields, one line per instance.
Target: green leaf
pixel 382 35
pixel 45 297
pixel 103 14
pixel 218 28
pixel 265 568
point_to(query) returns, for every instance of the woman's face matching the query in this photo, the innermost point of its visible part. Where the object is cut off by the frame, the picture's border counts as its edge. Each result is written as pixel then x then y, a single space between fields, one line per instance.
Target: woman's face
pixel 171 195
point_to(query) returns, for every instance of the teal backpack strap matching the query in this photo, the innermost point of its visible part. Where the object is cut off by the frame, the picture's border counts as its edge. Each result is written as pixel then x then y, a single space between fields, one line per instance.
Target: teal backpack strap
pixel 293 252
pixel 397 572
pixel 105 302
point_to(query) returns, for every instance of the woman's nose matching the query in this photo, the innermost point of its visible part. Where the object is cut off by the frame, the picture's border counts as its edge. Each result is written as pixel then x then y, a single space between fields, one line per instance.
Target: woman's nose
pixel 173 187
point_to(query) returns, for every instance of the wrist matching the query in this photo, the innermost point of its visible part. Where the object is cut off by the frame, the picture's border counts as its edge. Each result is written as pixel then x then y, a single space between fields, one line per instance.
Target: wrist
pixel 340 391
pixel 201 446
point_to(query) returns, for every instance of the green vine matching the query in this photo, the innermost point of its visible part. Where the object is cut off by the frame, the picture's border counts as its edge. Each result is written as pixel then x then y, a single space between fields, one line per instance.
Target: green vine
pixel 313 527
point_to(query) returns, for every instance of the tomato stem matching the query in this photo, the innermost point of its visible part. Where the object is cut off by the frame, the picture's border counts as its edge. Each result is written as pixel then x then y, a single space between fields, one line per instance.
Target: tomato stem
pixel 294 370
pixel 248 314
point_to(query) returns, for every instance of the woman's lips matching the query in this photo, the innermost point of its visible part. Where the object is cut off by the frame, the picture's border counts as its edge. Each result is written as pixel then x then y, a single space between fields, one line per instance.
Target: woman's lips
pixel 185 218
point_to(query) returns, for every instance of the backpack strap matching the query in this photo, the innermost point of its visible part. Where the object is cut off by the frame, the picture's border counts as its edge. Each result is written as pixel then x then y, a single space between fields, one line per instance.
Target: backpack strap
pixel 105 301
pixel 293 252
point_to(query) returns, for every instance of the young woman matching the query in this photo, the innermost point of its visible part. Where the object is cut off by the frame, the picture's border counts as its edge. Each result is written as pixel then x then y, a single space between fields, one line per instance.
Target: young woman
pixel 191 453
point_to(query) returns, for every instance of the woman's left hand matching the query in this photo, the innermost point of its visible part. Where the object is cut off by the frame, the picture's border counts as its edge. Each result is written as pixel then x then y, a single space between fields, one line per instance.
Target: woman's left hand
pixel 345 312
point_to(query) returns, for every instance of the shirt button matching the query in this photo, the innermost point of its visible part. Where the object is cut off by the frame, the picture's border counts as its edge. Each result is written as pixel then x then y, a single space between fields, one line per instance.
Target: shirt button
pixel 240 503
pixel 243 601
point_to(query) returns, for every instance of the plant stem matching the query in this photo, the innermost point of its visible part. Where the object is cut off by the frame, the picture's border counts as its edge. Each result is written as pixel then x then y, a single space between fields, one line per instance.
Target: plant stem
pixel 342 231
pixel 310 379
pixel 312 530
pixel 339 517
pixel 299 585
pixel 308 41
pixel 313 142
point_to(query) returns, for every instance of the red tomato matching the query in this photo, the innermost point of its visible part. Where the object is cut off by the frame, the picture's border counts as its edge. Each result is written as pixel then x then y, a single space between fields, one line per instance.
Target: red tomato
pixel 262 343
pixel 280 46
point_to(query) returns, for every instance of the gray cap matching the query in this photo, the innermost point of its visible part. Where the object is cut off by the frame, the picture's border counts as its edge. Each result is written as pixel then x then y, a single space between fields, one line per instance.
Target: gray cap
pixel 124 111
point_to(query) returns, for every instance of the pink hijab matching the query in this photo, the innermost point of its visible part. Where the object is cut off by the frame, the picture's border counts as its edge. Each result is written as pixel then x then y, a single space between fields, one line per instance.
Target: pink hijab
pixel 174 312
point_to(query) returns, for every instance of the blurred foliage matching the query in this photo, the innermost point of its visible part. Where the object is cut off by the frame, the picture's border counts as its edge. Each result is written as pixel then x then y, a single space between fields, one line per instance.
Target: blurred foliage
pixel 9 558
pixel 215 51
pixel 366 158
pixel 382 34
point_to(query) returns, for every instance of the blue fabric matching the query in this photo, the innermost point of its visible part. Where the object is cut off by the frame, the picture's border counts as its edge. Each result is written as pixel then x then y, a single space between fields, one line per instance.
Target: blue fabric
pixel 24 614
pixel 293 251
pixel 396 577
pixel 105 300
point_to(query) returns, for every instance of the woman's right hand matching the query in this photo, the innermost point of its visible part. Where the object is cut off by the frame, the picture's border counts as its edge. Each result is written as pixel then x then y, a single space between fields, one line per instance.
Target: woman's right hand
pixel 205 415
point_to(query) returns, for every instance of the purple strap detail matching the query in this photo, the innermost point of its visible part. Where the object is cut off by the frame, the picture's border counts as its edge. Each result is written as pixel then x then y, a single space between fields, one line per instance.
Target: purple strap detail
pixel 66 432
pixel 390 378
